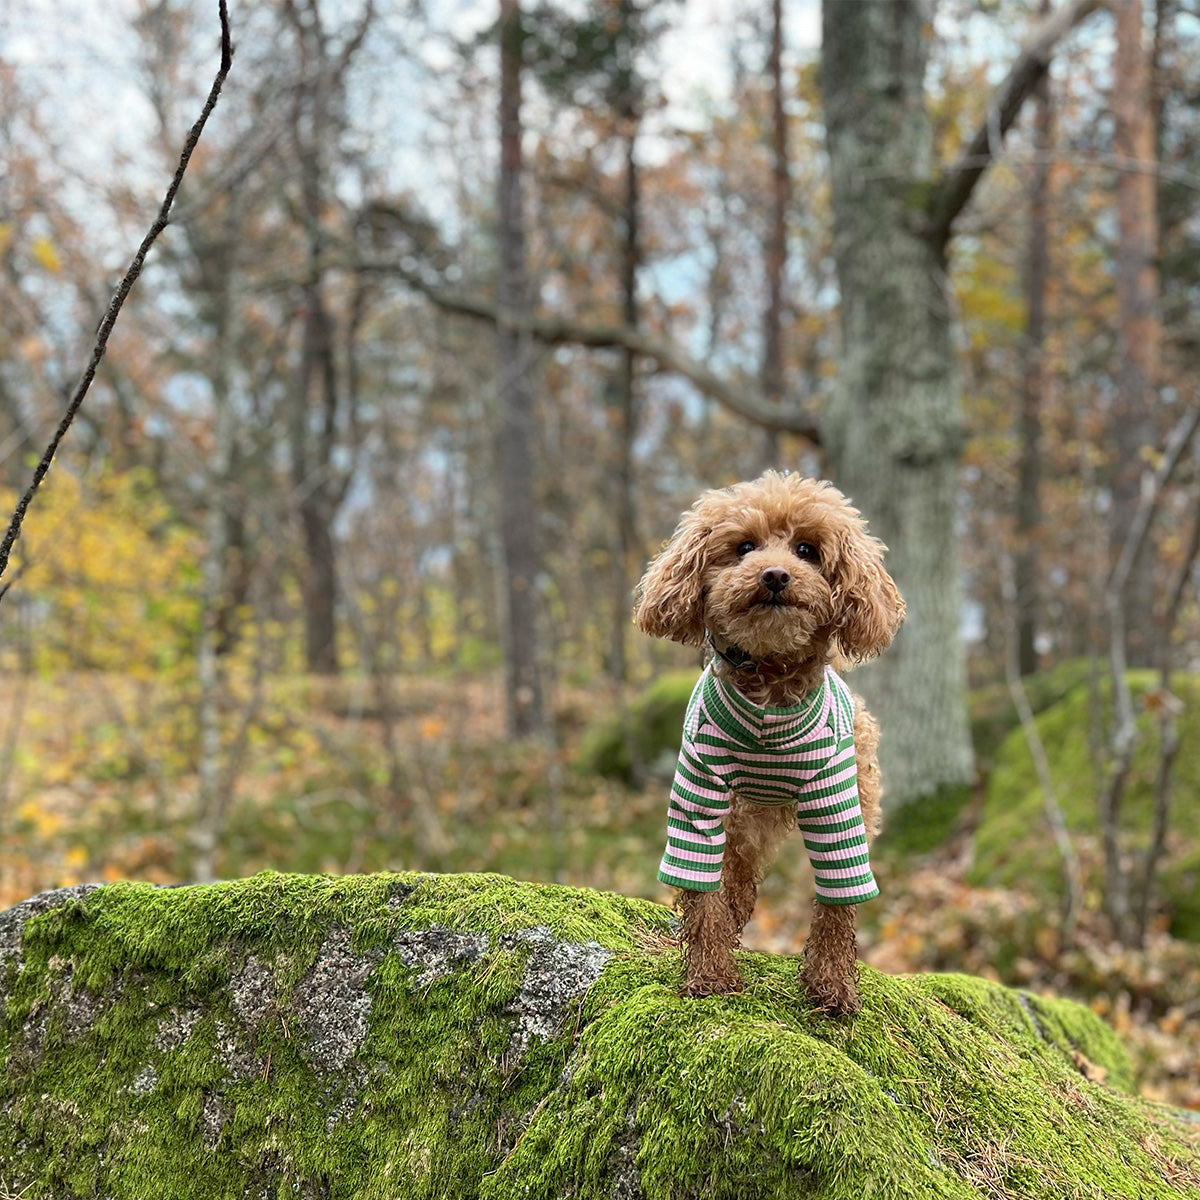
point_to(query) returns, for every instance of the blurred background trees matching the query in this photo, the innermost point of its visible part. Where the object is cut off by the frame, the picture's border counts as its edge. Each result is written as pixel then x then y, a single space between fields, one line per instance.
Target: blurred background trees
pixel 463 304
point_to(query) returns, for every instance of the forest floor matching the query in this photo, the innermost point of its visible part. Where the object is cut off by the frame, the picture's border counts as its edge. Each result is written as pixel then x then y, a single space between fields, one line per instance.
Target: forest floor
pixel 98 781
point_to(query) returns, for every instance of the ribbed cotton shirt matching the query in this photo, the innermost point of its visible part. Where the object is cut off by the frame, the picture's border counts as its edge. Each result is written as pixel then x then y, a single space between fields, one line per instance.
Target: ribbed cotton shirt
pixel 801 755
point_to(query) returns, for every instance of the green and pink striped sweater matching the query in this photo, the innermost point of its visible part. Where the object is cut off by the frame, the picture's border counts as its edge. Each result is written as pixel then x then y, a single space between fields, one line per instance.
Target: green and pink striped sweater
pixel 801 755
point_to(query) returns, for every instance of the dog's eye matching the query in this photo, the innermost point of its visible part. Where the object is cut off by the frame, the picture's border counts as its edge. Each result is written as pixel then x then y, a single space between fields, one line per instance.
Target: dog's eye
pixel 808 552
pixel 744 548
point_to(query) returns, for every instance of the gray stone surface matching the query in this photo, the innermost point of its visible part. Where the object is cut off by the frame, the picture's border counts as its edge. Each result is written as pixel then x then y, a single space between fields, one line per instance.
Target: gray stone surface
pixel 12 920
pixel 557 973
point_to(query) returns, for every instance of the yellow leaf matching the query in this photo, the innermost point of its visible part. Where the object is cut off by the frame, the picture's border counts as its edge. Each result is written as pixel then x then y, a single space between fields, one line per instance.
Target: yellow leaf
pixel 43 250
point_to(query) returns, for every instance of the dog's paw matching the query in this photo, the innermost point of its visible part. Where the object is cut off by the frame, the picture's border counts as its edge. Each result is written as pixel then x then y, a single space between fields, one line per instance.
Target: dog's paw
pixel 835 995
pixel 722 984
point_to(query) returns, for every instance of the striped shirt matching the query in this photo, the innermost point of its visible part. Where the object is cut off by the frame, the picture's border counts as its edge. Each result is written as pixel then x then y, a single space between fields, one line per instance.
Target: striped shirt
pixel 801 755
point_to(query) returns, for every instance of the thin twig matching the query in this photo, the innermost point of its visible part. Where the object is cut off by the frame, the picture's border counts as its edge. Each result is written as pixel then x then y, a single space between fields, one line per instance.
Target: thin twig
pixel 1124 739
pixel 1168 709
pixel 118 300
pixel 1072 875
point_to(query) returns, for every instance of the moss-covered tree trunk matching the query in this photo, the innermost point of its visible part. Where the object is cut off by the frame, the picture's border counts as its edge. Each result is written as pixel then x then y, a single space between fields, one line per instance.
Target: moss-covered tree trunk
pixel 893 426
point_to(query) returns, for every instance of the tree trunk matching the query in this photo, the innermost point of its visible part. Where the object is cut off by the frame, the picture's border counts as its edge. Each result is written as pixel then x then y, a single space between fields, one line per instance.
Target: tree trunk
pixel 212 798
pixel 775 255
pixel 325 401
pixel 1138 328
pixel 893 426
pixel 518 516
pixel 626 534
pixel 1029 465
pixel 318 491
pixel 319 586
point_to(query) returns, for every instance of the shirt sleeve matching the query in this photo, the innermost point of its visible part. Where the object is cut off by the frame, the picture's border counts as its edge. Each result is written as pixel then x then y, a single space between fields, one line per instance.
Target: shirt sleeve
pixel 695 823
pixel 830 817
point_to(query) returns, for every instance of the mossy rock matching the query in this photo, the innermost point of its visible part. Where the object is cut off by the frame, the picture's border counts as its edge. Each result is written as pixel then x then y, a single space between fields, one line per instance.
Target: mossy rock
pixel 463 1036
pixel 1013 843
pixel 993 716
pixel 643 737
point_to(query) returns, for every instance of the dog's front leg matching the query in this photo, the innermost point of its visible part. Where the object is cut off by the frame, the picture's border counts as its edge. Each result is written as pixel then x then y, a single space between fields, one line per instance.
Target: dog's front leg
pixel 830 971
pixel 708 935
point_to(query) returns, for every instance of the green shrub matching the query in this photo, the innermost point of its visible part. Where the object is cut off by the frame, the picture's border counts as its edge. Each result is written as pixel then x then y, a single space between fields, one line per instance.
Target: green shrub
pixel 642 738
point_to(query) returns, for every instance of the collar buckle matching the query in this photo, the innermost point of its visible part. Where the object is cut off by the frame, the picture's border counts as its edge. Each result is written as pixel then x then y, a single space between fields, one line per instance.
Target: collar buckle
pixel 732 654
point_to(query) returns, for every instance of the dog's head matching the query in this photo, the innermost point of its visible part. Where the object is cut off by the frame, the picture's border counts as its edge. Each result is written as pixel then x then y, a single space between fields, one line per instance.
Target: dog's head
pixel 781 566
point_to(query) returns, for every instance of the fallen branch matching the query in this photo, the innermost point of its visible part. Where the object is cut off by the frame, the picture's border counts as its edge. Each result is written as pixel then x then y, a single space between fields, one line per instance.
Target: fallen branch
pixel 115 305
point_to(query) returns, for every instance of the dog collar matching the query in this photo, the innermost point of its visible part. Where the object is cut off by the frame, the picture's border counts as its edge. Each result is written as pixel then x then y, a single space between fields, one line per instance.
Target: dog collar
pixel 733 654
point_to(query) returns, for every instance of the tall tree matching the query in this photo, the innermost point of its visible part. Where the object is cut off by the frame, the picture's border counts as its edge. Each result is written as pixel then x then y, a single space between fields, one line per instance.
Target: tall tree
pixel 1033 382
pixel 776 241
pixel 324 400
pixel 1139 334
pixel 894 425
pixel 594 60
pixel 518 513
pixel 628 99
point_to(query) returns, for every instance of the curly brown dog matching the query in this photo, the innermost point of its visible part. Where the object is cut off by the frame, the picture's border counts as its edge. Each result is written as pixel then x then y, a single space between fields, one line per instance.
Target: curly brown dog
pixel 780 579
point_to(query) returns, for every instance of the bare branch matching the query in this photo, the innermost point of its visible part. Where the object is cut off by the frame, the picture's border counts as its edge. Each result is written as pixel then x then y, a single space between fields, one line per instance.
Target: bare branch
pixel 1125 732
pixel 1072 875
pixel 118 300
pixel 958 183
pixel 743 398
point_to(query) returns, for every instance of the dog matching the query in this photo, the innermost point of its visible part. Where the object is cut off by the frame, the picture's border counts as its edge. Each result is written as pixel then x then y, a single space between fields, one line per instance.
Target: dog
pixel 779 580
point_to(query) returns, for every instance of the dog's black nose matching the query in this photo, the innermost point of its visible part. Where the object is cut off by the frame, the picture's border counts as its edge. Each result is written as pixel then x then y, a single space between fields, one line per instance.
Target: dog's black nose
pixel 775 579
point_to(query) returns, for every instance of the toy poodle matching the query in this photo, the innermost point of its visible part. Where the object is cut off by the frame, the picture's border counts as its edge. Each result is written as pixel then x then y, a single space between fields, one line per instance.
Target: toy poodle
pixel 779 578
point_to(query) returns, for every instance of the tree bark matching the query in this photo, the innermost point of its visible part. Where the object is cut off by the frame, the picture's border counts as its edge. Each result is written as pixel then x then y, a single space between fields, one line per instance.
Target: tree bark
pixel 1029 464
pixel 626 534
pixel 1139 333
pixel 518 515
pixel 776 246
pixel 324 403
pixel 893 426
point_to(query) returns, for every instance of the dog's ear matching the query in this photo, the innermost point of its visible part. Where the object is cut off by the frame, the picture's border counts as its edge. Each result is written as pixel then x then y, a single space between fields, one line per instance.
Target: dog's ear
pixel 870 606
pixel 670 597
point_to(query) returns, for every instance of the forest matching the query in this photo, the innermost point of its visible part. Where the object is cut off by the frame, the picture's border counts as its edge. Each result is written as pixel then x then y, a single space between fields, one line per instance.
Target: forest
pixel 460 305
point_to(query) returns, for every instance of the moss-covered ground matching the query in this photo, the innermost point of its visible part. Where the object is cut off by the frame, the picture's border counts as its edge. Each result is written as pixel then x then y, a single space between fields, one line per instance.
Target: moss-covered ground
pixel 1013 843
pixel 137 1063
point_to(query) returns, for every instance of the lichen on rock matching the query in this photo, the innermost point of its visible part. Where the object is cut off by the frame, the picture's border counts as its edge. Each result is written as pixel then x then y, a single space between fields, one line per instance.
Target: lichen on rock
pixel 468 1036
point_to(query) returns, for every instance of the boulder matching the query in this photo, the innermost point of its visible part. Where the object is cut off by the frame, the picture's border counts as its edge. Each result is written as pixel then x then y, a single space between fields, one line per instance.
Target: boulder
pixel 456 1036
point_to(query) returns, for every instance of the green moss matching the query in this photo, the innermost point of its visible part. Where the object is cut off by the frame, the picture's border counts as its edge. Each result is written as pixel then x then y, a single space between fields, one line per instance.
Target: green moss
pixel 923 823
pixel 993 716
pixel 1013 844
pixel 623 745
pixel 140 1061
pixel 1181 887
pixel 942 1087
